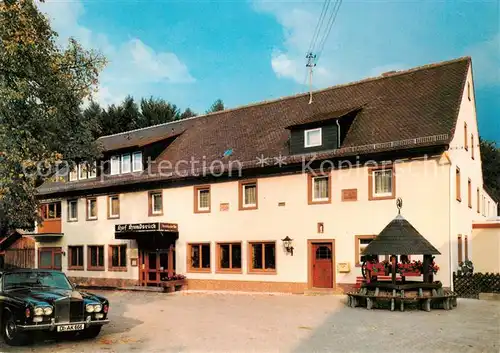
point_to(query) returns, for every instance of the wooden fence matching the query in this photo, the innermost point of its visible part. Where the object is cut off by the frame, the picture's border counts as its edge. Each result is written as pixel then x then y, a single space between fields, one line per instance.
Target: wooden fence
pixel 470 285
pixel 19 258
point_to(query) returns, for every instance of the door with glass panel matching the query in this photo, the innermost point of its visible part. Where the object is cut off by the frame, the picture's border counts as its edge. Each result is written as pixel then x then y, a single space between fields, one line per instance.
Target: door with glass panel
pixel 156 266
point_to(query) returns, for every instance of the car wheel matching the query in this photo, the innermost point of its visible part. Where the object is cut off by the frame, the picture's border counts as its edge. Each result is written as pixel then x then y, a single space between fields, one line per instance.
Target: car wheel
pixel 91 332
pixel 11 335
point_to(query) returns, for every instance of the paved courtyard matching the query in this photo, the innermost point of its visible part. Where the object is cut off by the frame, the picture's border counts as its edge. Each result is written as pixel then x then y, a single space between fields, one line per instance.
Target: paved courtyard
pixel 155 322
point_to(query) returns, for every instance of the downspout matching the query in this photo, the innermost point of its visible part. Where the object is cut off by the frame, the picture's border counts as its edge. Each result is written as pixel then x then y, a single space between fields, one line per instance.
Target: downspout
pixel 450 176
pixel 338 133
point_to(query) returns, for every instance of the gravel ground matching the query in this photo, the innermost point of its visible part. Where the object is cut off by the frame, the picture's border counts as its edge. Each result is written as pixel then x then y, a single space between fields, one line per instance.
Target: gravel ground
pixel 214 322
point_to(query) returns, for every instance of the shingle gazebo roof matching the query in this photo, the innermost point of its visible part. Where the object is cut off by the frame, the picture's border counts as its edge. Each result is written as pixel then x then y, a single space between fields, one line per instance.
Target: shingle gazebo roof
pixel 400 237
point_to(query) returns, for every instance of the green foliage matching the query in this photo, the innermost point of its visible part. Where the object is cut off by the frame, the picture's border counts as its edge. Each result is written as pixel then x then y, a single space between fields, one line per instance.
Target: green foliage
pixel 490 158
pixel 41 87
pixel 157 111
pixel 217 106
pixel 128 115
pixel 188 113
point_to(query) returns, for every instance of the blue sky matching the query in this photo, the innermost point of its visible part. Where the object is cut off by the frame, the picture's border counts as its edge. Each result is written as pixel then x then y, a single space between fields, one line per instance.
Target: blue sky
pixel 193 52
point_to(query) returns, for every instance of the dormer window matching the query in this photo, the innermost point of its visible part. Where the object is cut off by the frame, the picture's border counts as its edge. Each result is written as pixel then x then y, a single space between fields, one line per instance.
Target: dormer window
pixel 83 171
pixel 73 174
pixel 312 138
pixel 137 162
pixel 115 165
pixel 126 163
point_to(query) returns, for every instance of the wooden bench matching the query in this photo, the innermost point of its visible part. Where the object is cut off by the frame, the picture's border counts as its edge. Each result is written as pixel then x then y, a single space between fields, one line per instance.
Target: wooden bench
pixel 448 300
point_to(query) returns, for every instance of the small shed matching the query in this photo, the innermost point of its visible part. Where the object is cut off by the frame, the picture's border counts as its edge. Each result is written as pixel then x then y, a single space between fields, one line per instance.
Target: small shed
pixel 17 250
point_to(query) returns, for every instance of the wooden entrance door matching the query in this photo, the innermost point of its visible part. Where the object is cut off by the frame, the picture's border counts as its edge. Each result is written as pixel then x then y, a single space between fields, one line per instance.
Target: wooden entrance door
pixel 156 265
pixel 322 265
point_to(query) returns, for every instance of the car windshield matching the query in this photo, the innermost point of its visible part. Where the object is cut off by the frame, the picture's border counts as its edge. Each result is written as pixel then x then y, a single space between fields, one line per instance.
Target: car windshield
pixel 34 279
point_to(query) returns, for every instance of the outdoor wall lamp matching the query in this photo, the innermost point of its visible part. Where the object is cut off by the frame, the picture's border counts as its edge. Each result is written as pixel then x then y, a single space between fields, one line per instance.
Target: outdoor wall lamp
pixel 287 244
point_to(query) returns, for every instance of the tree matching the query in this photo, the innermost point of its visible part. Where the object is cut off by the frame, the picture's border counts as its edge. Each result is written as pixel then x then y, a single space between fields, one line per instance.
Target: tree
pixel 217 106
pixel 42 87
pixel 119 118
pixel 490 158
pixel 188 113
pixel 156 111
pixel 94 114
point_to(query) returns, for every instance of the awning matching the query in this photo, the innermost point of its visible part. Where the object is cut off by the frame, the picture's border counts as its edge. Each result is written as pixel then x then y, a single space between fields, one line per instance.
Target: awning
pixel 148 234
pixel 42 237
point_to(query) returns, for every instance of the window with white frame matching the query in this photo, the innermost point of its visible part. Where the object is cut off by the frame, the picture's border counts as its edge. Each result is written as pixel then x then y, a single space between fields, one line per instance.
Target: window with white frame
pixel 92 170
pixel 91 209
pixel 156 203
pixel 382 182
pixel 126 163
pixel 312 137
pixel 204 199
pixel 250 195
pixel 82 171
pixel 137 162
pixel 73 210
pixel 114 206
pixel 320 190
pixel 361 242
pixel 115 165
pixel 73 174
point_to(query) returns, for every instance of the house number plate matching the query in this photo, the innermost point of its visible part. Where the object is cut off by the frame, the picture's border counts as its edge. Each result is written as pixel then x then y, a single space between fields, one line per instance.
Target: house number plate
pixel 64 328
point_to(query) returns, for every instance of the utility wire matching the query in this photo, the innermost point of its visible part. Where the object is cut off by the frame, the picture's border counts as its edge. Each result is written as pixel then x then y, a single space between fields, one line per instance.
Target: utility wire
pixel 319 25
pixel 328 29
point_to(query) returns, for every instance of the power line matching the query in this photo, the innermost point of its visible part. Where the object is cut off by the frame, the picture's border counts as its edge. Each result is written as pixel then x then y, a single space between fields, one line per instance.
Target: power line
pixel 324 10
pixel 321 33
pixel 330 23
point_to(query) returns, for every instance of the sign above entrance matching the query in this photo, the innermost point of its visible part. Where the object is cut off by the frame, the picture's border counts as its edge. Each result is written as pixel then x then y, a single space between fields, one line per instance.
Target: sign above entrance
pixel 146 227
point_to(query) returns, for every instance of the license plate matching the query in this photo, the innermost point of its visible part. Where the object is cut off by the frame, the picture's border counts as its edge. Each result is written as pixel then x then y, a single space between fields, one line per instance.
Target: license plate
pixel 65 328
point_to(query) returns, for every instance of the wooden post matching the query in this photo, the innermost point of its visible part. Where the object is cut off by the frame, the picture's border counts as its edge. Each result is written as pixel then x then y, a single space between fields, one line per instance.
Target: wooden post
pixel 426 264
pixel 393 269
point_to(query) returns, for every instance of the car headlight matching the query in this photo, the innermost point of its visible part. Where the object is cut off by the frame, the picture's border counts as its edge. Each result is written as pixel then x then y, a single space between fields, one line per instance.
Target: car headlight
pixel 97 308
pixel 38 311
pixel 47 310
pixel 89 308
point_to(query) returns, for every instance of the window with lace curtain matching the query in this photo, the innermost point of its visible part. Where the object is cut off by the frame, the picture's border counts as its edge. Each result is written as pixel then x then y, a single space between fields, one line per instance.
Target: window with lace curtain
pixel 381 183
pixel 202 199
pixel 319 189
pixel 248 199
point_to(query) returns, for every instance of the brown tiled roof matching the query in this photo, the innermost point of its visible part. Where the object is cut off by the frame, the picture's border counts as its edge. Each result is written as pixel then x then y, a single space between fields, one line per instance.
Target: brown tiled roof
pixel 142 137
pixel 411 105
pixel 322 117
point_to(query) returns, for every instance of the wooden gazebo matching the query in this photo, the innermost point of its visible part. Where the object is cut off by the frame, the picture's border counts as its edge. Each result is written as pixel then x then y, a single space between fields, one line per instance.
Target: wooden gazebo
pixel 399 237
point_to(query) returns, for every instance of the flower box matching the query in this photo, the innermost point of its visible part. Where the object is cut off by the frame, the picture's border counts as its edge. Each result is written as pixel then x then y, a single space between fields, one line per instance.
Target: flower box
pixel 174 285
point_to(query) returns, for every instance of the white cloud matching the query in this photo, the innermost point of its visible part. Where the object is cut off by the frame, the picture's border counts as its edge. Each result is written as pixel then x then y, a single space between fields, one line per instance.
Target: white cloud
pixel 132 65
pixel 157 66
pixel 298 21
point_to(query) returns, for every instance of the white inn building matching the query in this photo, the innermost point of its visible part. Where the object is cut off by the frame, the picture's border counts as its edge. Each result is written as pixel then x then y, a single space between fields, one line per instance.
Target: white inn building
pixel 213 197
